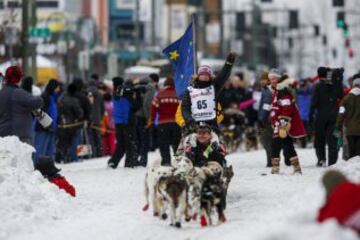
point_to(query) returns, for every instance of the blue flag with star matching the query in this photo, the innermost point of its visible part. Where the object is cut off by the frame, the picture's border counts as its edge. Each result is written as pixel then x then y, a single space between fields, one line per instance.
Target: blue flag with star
pixel 181 55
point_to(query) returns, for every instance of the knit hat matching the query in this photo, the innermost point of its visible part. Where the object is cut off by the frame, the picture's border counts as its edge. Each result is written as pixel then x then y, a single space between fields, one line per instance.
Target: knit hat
pixel 205 70
pixel 274 72
pixel 332 179
pixel 204 127
pixel 154 77
pixel 13 74
pixel 356 80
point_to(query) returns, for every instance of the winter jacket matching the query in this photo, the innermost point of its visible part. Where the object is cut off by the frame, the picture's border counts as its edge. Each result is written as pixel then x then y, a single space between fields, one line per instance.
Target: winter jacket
pixel 284 107
pixel 165 105
pixel 97 107
pixel 16 106
pixel 201 154
pixel 325 101
pixel 125 107
pixel 51 108
pixel 145 110
pixel 349 113
pixel 304 101
pixel 343 204
pixel 218 84
pixel 70 112
pixel 109 109
pixel 85 105
pixel 265 105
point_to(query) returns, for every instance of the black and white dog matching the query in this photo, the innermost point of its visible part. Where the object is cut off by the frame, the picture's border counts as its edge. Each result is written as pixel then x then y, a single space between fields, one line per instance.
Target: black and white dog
pixel 213 194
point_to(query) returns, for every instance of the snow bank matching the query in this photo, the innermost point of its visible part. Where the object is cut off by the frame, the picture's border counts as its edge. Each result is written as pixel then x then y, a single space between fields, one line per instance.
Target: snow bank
pixel 25 196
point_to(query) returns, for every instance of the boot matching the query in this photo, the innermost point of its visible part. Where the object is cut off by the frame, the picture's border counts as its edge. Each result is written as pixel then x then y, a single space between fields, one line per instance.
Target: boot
pixel 296 165
pixel 275 166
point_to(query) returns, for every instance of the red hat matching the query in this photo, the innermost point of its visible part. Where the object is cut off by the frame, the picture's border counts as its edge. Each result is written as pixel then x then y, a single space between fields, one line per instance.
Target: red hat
pixel 205 70
pixel 13 74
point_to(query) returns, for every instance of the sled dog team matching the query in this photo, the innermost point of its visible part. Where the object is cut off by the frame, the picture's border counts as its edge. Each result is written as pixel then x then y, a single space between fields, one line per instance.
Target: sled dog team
pixel 184 191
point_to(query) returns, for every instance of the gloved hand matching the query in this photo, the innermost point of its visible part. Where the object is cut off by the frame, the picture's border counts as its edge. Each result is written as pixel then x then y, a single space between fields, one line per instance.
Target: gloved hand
pixel 339 143
pixel 231 57
pixel 149 123
pixel 337 133
pixel 283 122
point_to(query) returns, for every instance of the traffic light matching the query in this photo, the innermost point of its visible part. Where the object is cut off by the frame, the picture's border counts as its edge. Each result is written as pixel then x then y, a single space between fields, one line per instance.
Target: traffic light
pixel 340 19
pixel 347 42
pixel 351 52
pixel 345 30
pixel 240 22
pixel 316 30
pixel 293 19
pixel 338 3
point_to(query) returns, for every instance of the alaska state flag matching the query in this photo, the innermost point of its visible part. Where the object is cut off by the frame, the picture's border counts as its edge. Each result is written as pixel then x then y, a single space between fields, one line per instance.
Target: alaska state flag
pixel 181 55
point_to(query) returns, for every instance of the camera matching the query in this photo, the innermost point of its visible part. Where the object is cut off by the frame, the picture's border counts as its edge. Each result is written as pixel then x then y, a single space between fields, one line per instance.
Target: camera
pixel 335 76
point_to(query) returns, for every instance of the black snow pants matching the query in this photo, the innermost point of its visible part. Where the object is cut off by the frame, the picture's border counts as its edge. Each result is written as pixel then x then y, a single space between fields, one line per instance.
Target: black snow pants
pixel 169 135
pixel 63 145
pixel 324 129
pixel 354 145
pixel 266 140
pixel 286 144
pixel 125 145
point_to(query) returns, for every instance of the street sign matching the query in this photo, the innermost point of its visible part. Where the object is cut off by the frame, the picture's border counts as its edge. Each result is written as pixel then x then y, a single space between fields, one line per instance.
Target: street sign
pixel 40 32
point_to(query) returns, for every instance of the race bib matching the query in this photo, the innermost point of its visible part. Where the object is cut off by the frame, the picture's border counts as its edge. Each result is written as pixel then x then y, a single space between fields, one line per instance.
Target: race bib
pixel 203 103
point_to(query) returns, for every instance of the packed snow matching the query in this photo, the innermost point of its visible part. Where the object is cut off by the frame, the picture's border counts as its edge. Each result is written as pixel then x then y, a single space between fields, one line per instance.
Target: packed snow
pixel 109 202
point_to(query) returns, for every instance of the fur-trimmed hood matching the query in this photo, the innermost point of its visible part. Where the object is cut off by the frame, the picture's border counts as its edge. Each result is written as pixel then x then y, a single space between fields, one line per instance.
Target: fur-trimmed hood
pixel 355 91
pixel 285 83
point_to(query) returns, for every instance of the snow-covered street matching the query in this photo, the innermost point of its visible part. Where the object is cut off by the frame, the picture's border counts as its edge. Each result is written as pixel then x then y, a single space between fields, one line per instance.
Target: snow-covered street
pixel 109 205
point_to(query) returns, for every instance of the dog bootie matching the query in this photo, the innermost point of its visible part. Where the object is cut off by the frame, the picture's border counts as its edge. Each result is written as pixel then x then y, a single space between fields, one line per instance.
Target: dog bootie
pixel 203 221
pixel 296 165
pixel 146 207
pixel 275 166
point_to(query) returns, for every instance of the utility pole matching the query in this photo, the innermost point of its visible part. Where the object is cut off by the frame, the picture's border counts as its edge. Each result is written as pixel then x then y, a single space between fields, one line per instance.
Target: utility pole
pixel 137 28
pixel 153 23
pixel 25 36
pixel 256 19
pixel 33 69
pixel 221 19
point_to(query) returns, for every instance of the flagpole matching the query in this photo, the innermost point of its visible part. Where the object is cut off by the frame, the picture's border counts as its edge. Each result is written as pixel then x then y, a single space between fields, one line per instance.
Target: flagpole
pixel 195 61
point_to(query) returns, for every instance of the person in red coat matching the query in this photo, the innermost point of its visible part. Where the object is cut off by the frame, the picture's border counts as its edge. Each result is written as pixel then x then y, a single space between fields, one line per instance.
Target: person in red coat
pixel 342 200
pixel 165 105
pixel 286 124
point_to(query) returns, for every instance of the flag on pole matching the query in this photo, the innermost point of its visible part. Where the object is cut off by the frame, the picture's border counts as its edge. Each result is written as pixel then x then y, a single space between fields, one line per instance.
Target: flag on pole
pixel 182 54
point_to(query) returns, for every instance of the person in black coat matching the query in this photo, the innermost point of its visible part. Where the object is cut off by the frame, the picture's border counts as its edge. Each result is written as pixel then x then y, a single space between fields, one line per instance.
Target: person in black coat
pixel 204 149
pixel 199 101
pixel 82 96
pixel 45 137
pixel 325 100
pixel 126 102
pixel 16 107
pixel 97 113
pixel 70 119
